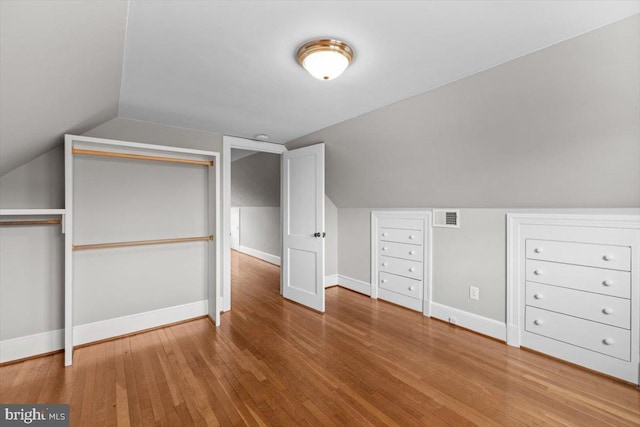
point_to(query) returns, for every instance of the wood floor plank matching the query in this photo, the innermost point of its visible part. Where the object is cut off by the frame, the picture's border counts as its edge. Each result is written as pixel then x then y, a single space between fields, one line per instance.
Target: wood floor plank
pixel 273 362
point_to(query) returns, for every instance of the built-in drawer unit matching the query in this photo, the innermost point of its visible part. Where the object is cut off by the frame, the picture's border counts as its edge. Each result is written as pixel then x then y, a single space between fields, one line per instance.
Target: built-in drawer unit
pixel 401 267
pixel 609 340
pixel 401 250
pixel 578 289
pixel 589 254
pixel 400 235
pixel 598 308
pixel 599 280
pixel 399 257
pixel 402 285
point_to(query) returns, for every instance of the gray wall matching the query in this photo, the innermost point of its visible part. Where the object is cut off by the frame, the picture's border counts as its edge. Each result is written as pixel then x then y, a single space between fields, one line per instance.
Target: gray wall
pixel 38 184
pixel 119 200
pixel 31 279
pixel 260 229
pixel 255 180
pixel 556 128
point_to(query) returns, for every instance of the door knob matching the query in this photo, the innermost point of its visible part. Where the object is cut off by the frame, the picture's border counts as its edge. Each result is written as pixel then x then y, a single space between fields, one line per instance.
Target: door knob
pixel 316 234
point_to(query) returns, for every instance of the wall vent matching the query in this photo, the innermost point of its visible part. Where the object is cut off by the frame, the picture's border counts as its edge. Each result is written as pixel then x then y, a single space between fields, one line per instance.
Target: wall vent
pixel 446 218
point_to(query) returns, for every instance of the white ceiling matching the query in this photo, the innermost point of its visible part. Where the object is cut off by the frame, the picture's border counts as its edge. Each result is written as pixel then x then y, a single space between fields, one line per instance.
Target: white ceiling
pixel 229 66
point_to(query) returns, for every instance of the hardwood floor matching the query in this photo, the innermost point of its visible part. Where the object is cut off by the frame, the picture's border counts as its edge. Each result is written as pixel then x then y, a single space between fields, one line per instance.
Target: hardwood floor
pixel 273 362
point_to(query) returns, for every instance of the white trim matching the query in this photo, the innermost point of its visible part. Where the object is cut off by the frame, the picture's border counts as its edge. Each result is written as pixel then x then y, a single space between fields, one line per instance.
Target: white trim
pixel 229 142
pixel 426 216
pixel 330 280
pixel 21 212
pixel 354 284
pixel 272 259
pixel 474 322
pixel 514 225
pixel 31 345
pixel 141 146
pixel 96 331
pixel 213 284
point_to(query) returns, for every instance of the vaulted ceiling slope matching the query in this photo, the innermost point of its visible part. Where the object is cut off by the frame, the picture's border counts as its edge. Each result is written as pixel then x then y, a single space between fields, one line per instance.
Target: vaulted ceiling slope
pixel 60 71
pixel 229 66
pixel 557 128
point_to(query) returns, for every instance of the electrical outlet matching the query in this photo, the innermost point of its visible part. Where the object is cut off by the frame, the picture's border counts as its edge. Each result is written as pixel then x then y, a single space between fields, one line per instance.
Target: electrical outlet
pixel 474 293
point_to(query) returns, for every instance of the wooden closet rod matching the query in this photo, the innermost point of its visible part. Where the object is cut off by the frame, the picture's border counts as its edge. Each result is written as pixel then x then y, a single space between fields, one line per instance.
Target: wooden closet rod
pixel 141 157
pixel 141 243
pixel 34 222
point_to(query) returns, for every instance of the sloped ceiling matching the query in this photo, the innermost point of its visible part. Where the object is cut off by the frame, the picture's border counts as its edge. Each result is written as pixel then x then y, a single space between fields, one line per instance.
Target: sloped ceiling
pixel 556 128
pixel 229 66
pixel 60 71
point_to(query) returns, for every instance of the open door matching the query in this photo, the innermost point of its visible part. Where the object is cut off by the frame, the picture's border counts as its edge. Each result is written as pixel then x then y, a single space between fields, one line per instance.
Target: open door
pixel 303 226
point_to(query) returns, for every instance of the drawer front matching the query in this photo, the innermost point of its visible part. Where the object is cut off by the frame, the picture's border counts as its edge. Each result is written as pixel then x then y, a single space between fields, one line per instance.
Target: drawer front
pixel 401 285
pixel 593 255
pixel 401 267
pixel 401 250
pixel 405 224
pixel 413 237
pixel 599 308
pixel 603 281
pixel 593 336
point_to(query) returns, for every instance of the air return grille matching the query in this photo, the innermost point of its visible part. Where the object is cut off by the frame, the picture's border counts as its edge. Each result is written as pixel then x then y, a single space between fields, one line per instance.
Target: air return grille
pixel 446 218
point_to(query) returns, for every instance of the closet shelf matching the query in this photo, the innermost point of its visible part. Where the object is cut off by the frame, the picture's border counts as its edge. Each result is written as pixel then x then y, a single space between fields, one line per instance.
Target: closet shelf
pixel 141 243
pixel 21 212
pixel 141 157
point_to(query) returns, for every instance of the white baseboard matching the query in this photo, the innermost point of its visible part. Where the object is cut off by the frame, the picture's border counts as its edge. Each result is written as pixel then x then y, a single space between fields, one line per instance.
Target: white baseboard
pixel 110 328
pixel 480 324
pixel 354 284
pixel 273 259
pixel 31 345
pixel 330 280
pixel 513 335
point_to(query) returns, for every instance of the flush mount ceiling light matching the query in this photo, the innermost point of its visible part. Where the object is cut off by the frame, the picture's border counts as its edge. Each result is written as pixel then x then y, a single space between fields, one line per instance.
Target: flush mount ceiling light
pixel 325 59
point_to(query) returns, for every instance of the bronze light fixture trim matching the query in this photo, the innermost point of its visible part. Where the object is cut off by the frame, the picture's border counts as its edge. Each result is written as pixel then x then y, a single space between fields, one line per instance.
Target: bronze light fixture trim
pixel 325 59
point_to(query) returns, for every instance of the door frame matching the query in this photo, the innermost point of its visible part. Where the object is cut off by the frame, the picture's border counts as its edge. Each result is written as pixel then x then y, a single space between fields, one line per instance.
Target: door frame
pixel 229 142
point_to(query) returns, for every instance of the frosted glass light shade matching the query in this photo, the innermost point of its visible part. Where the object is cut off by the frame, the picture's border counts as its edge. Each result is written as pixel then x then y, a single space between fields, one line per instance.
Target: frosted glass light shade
pixel 325 59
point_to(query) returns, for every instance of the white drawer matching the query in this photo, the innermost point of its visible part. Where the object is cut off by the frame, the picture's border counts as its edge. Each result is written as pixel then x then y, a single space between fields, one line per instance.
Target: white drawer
pixel 401 250
pixel 403 223
pixel 589 254
pixel 401 285
pixel 604 339
pixel 401 267
pixel 599 308
pixel 400 235
pixel 603 281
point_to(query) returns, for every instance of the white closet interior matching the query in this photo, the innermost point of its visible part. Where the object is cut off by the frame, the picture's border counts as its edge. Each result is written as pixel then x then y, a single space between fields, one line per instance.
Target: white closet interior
pixel 141 228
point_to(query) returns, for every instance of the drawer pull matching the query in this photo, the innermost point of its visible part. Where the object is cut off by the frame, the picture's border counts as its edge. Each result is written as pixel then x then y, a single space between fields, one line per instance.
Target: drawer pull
pixel 538 296
pixel 538 322
pixel 411 237
pixel 607 310
pixel 411 288
pixel 384 248
pixel 537 272
pixel 607 257
pixel 384 264
pixel 607 341
pixel 538 250
pixel 608 282
pixel 411 269
pixel 412 252
pixel 384 280
pixel 385 234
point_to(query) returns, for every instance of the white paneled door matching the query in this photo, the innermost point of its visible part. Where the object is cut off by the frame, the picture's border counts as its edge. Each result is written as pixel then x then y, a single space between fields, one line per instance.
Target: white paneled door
pixel 303 226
